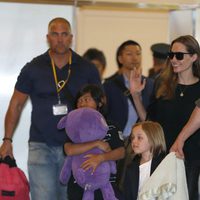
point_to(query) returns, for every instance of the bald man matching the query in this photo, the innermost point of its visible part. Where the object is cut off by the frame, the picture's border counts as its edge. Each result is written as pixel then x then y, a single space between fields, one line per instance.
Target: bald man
pixel 51 81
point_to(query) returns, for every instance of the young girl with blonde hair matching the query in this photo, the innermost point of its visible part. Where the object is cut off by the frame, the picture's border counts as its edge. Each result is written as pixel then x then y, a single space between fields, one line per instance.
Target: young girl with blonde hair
pixel 148 145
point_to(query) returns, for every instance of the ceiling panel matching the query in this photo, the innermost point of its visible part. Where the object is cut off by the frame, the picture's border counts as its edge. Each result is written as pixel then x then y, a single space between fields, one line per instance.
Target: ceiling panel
pixel 136 4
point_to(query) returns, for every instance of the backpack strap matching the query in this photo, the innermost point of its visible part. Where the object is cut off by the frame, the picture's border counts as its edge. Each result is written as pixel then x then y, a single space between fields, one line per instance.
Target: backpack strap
pixel 126 92
pixel 124 89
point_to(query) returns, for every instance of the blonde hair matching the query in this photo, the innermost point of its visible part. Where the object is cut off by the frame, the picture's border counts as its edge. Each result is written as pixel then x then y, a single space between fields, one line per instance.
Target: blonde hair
pixel 155 135
pixel 167 82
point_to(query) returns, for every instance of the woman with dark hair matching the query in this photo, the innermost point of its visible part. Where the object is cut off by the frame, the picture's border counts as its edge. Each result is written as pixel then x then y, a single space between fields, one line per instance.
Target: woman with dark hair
pixel 92 96
pixel 177 89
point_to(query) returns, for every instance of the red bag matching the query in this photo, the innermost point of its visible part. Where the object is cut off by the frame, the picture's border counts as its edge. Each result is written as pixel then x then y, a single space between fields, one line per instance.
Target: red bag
pixel 13 182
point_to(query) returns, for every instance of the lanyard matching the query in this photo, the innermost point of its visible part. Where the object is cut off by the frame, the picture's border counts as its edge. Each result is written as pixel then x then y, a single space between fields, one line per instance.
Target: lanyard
pixel 61 84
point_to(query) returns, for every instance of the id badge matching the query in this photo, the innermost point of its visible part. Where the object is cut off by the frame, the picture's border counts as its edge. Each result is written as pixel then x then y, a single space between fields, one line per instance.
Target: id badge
pixel 60 109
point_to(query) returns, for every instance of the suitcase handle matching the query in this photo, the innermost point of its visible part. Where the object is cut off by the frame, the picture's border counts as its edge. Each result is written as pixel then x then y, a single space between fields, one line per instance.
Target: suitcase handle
pixel 9 161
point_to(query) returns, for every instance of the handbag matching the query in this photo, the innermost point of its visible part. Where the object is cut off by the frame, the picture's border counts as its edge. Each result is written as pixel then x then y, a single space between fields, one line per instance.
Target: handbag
pixel 13 182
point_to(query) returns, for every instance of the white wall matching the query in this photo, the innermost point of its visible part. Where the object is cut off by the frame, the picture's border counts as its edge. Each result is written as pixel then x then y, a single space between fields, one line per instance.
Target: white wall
pixel 107 29
pixel 181 23
pixel 197 25
pixel 23 36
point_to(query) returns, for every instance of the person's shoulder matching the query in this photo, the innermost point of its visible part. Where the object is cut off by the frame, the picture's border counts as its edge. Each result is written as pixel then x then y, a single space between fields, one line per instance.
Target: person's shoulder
pixel 162 155
pixel 82 62
pixel 79 59
pixel 149 80
pixel 114 129
pixel 149 86
pixel 158 158
pixel 112 124
pixel 76 56
pixel 113 76
pixel 41 58
pixel 37 61
pixel 135 162
pixel 114 79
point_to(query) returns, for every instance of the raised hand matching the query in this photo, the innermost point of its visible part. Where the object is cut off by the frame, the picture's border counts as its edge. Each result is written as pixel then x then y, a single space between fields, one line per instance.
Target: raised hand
pixel 136 82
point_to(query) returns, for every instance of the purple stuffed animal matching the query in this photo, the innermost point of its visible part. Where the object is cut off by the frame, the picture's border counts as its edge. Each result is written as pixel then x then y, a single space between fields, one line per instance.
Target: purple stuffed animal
pixel 85 125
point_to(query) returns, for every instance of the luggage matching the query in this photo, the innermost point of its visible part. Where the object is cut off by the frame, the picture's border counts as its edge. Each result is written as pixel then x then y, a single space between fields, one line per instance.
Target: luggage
pixel 13 182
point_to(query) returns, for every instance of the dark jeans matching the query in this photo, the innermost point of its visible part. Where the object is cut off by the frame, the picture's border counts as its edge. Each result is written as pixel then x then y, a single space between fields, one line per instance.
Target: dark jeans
pixel 192 173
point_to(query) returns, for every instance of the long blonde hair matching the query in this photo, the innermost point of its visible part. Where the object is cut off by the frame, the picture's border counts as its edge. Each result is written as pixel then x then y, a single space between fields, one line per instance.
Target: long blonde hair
pixel 167 82
pixel 155 135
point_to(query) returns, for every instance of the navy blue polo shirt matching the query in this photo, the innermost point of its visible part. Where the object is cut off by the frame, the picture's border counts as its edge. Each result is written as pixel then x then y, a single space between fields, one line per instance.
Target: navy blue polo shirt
pixel 37 80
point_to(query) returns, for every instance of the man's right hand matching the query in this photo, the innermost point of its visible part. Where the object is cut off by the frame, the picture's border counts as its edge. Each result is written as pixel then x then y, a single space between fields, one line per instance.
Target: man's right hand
pixel 6 149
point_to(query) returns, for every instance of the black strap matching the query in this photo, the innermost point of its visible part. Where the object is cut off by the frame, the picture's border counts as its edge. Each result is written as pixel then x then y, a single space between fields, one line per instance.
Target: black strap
pixel 124 89
pixel 126 92
pixel 9 161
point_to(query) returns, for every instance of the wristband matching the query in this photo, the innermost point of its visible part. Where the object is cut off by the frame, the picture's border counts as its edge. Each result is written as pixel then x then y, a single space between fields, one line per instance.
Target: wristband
pixel 5 138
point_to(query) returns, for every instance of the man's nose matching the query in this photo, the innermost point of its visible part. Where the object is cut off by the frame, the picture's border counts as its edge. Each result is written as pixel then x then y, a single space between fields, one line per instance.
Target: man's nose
pixel 60 37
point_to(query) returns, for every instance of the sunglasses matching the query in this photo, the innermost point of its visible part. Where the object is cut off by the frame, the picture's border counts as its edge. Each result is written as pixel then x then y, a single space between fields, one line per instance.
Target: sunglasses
pixel 178 55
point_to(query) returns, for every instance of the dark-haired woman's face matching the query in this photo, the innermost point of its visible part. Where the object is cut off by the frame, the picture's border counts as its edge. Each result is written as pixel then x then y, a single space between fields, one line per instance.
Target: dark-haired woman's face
pixel 185 64
pixel 86 101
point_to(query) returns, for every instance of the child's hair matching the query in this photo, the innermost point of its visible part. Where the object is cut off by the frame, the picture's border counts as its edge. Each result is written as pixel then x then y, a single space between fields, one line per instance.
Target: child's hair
pixel 97 94
pixel 155 135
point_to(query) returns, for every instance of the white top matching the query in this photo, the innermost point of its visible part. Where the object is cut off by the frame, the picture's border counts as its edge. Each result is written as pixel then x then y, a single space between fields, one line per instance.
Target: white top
pixel 145 170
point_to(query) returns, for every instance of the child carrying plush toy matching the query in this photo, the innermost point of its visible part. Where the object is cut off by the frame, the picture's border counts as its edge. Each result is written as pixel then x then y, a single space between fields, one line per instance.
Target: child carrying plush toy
pixel 92 96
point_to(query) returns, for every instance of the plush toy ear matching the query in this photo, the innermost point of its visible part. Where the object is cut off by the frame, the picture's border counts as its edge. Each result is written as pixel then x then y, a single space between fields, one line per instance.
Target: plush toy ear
pixel 61 123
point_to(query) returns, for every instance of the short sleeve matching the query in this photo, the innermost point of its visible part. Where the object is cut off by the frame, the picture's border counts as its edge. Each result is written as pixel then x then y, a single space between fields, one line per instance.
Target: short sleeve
pixel 23 83
pixel 114 137
pixel 197 103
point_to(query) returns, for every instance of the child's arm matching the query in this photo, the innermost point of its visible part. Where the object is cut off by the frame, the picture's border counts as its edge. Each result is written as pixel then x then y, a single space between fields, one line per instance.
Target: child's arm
pixel 117 152
pixel 76 149
pixel 93 161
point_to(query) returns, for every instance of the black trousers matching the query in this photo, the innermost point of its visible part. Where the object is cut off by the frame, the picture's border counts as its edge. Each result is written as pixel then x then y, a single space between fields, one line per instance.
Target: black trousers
pixel 75 192
pixel 192 173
